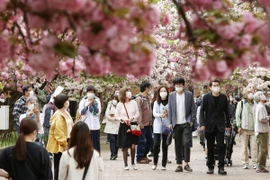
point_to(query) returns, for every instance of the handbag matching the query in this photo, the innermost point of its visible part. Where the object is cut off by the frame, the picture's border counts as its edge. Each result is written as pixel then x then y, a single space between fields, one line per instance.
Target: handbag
pixel 165 129
pixel 135 129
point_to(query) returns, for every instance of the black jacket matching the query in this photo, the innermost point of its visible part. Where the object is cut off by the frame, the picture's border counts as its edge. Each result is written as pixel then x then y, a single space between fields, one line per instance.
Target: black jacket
pixel 211 116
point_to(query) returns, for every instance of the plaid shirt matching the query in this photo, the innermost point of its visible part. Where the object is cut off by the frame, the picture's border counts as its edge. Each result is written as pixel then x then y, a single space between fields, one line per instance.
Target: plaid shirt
pixel 19 108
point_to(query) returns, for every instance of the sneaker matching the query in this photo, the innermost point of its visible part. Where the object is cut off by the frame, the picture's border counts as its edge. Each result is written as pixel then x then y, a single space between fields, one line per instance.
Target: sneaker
pixel 134 167
pixel 261 170
pixel 254 166
pixel 179 169
pixel 154 167
pixel 163 168
pixel 143 161
pixel 168 161
pixel 245 166
pixel 151 155
pixel 126 168
pixel 187 168
pixel 221 171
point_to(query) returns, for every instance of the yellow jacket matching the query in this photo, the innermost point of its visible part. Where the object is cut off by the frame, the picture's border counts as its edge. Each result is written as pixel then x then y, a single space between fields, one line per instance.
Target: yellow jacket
pixel 57 141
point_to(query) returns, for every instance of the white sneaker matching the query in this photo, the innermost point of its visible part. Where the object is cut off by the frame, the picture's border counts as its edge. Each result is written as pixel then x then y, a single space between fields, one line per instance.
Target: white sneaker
pixel 154 167
pixel 126 168
pixel 134 167
pixel 163 168
pixel 245 166
pixel 254 166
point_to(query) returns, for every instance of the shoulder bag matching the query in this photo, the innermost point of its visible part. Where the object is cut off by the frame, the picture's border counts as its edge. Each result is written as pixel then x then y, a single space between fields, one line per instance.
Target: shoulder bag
pixel 135 129
pixel 87 167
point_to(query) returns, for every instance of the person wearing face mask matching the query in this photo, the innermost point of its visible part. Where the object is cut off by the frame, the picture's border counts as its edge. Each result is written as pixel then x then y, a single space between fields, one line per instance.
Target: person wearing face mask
pixel 160 112
pixel 261 131
pixel 127 113
pixel 34 112
pixel 245 121
pixel 90 108
pixel 26 160
pixel 20 107
pixel 214 120
pixel 112 127
pixel 61 126
pixel 145 123
pixel 182 119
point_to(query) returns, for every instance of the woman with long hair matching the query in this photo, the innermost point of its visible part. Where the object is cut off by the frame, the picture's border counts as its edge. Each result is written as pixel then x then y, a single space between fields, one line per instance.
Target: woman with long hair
pixel 81 160
pixel 61 126
pixel 27 159
pixel 127 113
pixel 160 112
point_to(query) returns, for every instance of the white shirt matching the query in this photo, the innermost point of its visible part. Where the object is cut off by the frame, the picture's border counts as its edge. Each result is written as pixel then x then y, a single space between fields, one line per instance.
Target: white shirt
pixel 132 109
pixel 89 118
pixel 69 125
pixel 68 167
pixel 181 110
pixel 261 122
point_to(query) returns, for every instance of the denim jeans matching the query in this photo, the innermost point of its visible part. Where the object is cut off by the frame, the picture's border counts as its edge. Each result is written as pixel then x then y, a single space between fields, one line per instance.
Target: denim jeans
pixel 113 147
pixel 145 142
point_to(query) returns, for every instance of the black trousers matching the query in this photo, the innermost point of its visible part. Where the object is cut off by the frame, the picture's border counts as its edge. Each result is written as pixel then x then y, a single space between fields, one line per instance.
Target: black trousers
pixel 183 138
pixel 211 137
pixel 95 135
pixel 56 160
pixel 157 142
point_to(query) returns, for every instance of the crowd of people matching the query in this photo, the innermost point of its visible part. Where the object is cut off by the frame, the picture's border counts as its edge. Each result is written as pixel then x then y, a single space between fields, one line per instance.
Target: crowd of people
pixel 136 124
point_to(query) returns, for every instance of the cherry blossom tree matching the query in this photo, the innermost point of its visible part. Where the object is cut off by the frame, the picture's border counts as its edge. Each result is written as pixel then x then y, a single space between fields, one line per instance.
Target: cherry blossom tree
pixel 71 36
pixel 224 34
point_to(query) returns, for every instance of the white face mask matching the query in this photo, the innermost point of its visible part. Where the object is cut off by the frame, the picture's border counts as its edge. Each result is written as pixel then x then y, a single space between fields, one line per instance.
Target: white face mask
pixel 90 95
pixel 128 94
pixel 250 96
pixel 31 107
pixel 67 104
pixel 263 97
pixel 163 95
pixel 114 102
pixel 178 89
pixel 215 89
pixel 231 99
pixel 32 93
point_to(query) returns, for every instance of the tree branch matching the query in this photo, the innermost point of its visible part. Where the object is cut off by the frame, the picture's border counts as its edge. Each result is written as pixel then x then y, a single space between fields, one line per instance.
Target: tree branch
pixel 182 13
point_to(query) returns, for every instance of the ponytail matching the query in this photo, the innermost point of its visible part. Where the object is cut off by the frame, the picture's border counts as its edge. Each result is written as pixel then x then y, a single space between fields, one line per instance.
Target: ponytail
pixel 20 148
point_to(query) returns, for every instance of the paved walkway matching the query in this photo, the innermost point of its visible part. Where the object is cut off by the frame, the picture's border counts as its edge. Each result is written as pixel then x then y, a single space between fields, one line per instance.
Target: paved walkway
pixel 114 170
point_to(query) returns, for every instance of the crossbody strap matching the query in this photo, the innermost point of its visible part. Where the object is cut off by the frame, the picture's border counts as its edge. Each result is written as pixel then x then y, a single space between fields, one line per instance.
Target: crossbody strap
pixel 87 167
pixel 126 110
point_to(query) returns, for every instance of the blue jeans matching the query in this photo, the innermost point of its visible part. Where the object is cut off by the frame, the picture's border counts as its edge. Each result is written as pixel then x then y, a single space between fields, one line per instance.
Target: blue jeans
pixel 113 147
pixel 145 142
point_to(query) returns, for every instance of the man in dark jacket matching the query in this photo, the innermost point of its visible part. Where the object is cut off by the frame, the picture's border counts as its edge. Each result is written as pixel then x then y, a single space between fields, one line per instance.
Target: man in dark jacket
pixel 214 119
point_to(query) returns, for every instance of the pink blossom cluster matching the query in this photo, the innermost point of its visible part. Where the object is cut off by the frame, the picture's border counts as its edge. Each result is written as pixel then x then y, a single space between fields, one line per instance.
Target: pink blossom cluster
pixel 236 44
pixel 108 35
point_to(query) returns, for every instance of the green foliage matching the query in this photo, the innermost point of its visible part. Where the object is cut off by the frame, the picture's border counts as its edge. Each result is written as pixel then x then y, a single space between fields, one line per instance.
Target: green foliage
pixel 65 49
pixel 1 86
pixel 8 139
